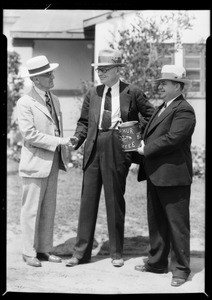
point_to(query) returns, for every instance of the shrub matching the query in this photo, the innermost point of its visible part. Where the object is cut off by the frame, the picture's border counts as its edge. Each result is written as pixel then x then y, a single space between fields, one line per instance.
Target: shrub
pixel 198 156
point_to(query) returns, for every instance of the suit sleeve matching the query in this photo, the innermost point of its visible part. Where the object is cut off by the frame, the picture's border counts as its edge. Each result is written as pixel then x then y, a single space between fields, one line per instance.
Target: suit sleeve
pixel 82 124
pixel 182 127
pixel 144 107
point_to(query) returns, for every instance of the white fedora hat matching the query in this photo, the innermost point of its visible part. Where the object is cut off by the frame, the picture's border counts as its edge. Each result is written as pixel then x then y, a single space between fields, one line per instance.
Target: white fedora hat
pixel 109 57
pixel 38 65
pixel 173 73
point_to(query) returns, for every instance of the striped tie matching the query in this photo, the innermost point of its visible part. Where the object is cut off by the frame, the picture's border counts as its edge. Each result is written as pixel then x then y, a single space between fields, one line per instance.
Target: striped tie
pixel 48 102
pixel 163 107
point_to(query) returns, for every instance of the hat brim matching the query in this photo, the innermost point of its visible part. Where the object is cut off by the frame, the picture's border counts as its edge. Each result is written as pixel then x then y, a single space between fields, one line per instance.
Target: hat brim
pixel 51 68
pixel 186 81
pixel 108 64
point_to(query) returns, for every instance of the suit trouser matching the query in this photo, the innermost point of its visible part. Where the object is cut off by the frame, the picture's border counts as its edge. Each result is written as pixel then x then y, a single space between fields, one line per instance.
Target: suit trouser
pixel 38 211
pixel 169 227
pixel 108 166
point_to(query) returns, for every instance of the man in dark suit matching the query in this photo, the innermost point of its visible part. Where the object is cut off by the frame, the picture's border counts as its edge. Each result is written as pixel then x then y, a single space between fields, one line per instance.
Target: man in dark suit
pixel 105 163
pixel 167 162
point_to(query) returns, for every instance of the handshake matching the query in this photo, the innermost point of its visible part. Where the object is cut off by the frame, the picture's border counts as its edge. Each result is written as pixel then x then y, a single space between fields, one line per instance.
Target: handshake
pixel 69 142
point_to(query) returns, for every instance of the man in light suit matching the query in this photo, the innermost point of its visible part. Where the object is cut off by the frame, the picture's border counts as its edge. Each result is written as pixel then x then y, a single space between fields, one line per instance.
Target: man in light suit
pixel 43 153
pixel 105 163
pixel 167 162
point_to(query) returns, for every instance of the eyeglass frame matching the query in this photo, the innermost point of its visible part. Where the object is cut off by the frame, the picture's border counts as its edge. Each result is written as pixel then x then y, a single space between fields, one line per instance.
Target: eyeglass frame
pixel 104 70
pixel 47 74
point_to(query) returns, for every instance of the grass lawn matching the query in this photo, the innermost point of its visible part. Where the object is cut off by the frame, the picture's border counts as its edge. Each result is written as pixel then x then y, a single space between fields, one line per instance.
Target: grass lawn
pixel 69 191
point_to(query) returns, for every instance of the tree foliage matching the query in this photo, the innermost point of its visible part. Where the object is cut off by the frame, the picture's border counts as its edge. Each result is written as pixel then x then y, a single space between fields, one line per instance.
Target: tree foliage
pixel 145 45
pixel 14 86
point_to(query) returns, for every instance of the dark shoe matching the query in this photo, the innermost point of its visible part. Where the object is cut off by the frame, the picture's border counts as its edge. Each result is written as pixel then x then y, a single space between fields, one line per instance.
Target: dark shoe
pixel 176 281
pixel 49 257
pixel 31 261
pixel 145 268
pixel 118 262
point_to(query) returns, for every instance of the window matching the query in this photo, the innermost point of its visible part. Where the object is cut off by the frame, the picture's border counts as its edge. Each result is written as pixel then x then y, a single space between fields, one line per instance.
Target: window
pixel 194 63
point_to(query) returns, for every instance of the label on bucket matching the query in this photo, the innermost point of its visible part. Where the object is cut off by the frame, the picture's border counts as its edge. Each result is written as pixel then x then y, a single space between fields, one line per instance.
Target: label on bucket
pixel 130 135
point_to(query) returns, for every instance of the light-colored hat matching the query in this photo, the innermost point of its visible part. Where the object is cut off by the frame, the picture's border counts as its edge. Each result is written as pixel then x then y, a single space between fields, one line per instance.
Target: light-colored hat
pixel 38 65
pixel 173 73
pixel 109 57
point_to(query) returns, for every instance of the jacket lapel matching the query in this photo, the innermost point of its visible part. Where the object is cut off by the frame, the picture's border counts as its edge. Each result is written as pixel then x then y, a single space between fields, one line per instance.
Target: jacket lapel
pixel 38 102
pixel 97 101
pixel 155 120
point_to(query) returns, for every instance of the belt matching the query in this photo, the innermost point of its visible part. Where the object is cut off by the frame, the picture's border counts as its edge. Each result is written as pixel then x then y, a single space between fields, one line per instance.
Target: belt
pixel 110 129
pixel 102 130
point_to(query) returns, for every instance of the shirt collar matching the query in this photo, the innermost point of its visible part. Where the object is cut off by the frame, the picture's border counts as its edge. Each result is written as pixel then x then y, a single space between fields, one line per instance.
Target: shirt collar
pixel 115 86
pixel 170 101
pixel 40 92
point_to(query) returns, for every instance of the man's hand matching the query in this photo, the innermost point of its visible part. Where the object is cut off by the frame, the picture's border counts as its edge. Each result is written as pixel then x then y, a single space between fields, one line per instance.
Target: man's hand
pixel 74 141
pixel 65 141
pixel 141 148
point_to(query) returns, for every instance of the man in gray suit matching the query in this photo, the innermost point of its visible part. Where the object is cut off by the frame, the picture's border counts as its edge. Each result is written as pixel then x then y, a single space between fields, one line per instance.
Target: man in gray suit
pixel 43 153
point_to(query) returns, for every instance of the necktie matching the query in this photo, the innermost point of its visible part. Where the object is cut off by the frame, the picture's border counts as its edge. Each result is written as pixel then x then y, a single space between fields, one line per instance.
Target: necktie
pixel 162 108
pixel 106 118
pixel 48 103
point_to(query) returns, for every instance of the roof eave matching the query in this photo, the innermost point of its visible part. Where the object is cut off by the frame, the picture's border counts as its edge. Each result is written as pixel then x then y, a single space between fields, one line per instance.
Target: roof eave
pixel 47 35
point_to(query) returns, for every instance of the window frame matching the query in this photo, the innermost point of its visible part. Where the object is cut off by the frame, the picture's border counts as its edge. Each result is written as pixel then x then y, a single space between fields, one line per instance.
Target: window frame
pixel 201 69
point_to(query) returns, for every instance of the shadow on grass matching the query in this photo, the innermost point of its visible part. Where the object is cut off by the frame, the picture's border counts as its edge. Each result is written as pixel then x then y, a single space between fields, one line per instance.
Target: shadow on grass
pixel 133 246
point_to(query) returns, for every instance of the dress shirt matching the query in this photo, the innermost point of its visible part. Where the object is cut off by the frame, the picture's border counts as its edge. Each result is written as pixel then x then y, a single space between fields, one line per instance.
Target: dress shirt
pixel 167 104
pixel 41 93
pixel 115 102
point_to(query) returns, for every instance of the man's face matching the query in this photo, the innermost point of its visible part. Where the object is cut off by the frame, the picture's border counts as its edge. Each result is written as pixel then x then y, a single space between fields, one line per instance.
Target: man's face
pixel 168 89
pixel 45 81
pixel 108 75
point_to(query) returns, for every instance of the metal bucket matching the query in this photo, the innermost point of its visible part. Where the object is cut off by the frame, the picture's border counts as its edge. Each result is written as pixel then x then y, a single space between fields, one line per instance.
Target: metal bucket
pixel 130 135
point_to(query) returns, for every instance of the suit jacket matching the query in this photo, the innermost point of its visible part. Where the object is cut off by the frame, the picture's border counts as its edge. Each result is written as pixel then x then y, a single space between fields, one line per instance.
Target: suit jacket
pixel 39 141
pixel 167 155
pixel 132 101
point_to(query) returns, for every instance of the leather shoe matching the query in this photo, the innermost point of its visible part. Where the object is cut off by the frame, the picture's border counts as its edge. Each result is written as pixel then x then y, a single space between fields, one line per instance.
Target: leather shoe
pixel 31 261
pixel 118 262
pixel 72 262
pixel 49 257
pixel 75 261
pixel 176 281
pixel 145 268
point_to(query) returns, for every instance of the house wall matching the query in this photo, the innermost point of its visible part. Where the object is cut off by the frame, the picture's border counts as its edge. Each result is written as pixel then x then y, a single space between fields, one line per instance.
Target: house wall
pixel 74 58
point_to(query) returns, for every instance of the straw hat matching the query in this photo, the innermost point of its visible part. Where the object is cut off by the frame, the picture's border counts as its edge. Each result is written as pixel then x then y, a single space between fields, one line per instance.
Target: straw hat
pixel 39 65
pixel 173 73
pixel 109 57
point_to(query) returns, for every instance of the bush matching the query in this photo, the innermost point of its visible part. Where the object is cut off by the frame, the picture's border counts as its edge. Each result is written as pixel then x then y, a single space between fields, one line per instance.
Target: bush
pixel 198 156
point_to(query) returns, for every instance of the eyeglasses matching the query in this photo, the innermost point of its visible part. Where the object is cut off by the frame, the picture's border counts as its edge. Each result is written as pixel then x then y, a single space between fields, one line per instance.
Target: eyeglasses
pixel 103 69
pixel 48 74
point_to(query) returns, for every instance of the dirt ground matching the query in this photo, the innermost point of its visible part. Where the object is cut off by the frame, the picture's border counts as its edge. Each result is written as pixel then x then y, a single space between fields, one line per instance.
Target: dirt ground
pixel 98 276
